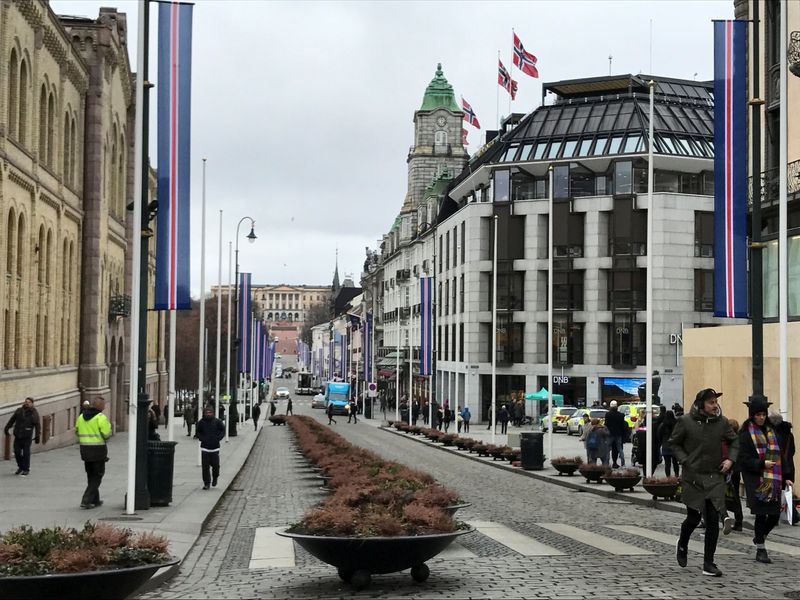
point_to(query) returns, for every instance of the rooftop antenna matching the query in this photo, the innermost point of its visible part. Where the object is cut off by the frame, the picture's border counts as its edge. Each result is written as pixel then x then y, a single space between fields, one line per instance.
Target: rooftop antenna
pixel 610 58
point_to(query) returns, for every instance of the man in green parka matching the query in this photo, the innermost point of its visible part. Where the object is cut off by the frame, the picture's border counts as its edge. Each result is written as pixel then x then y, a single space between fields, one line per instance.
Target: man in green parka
pixel 697 442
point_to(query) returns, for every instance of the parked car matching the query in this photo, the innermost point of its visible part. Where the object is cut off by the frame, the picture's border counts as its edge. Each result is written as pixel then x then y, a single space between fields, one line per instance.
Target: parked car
pixel 560 416
pixel 633 413
pixel 282 393
pixel 318 401
pixel 575 422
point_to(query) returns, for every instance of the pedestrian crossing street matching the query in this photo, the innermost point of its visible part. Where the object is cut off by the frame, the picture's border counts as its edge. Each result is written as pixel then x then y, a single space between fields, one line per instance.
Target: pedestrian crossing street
pixel 272 551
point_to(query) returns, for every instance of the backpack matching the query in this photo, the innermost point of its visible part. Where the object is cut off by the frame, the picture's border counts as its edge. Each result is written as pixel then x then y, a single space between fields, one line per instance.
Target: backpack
pixel 593 440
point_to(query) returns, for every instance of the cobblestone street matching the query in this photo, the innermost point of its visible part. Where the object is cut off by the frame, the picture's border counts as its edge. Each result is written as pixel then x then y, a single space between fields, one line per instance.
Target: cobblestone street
pixel 585 546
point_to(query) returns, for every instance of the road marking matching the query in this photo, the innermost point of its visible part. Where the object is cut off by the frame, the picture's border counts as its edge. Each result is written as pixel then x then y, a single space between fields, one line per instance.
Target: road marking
pixel 455 551
pixel 518 542
pixel 270 550
pixel 601 542
pixel 666 538
pixel 746 540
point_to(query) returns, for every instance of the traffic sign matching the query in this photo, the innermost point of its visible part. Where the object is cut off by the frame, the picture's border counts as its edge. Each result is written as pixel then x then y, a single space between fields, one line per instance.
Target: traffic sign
pixel 372 390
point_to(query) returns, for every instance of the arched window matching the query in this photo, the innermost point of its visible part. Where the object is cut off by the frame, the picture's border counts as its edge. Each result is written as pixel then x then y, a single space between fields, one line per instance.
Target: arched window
pixel 64 301
pixel 49 257
pixel 440 138
pixel 40 249
pixel 43 125
pixel 22 121
pixel 17 341
pixel 13 93
pixel 8 351
pixel 20 244
pixel 11 238
pixel 73 152
pixel 38 344
pixel 121 177
pixel 112 192
pixel 296 316
pixel 65 142
pixel 46 342
pixel 51 125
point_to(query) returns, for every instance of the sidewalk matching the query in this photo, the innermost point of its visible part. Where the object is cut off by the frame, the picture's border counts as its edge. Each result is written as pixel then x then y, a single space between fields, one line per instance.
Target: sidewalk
pixel 52 493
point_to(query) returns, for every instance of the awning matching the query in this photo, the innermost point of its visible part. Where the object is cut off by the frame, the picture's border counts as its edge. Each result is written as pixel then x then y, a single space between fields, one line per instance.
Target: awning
pixel 558 399
pixel 386 373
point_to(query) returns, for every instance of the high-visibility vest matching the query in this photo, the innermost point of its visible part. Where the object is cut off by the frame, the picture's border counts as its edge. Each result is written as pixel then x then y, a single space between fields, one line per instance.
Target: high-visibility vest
pixel 93 432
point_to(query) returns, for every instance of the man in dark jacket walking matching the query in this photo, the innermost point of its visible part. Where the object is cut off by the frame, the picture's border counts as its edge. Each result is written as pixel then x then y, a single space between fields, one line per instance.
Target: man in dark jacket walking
pixel 697 441
pixel 190 417
pixel 209 431
pixel 616 425
pixel 256 415
pixel 27 429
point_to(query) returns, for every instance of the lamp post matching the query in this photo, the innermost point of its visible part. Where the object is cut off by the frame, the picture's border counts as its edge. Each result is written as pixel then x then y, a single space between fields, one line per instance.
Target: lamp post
pixel 251 237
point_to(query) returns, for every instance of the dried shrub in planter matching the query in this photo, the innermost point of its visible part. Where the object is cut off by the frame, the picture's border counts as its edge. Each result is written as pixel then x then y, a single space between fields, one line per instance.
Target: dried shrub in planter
pixel 661 480
pixel 567 460
pixel 109 536
pixel 380 524
pixel 628 472
pixel 436 495
pixel 428 517
pixel 11 553
pixel 75 560
pixel 151 541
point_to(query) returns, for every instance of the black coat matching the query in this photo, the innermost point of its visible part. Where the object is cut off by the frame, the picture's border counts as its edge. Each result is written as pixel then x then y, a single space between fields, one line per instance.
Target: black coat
pixel 210 431
pixel 256 414
pixel 615 423
pixel 751 467
pixel 26 423
pixel 786 441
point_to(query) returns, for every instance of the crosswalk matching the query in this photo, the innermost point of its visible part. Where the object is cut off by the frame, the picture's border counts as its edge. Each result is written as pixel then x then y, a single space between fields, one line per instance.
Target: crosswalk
pixel 272 551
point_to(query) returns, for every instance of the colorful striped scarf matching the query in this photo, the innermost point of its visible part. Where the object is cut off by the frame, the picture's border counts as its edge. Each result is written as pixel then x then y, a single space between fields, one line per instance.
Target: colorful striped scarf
pixel 766 444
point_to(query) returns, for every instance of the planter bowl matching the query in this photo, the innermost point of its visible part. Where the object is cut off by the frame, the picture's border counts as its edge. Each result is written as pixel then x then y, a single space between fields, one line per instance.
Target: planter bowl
pixel 566 468
pixel 661 490
pixel 357 558
pixel 451 510
pixel 111 584
pixel 623 483
pixel 593 475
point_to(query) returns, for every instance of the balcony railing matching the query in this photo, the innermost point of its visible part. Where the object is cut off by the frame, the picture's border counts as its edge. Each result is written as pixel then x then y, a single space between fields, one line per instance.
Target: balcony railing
pixel 770 184
pixel 119 306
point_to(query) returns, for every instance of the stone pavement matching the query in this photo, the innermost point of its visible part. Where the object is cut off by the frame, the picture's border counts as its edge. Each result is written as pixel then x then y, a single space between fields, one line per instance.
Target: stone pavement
pixel 52 493
pixel 533 539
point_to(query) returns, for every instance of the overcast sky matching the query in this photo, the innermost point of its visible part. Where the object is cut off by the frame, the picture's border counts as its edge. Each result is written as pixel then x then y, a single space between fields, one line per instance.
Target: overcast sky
pixel 304 109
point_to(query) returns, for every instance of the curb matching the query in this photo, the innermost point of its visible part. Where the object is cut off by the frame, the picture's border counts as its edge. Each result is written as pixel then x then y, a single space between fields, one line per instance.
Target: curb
pixel 163 575
pixel 562 481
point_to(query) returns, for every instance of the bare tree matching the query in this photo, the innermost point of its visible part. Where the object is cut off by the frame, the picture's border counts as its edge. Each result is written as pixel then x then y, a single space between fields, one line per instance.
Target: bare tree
pixel 316 314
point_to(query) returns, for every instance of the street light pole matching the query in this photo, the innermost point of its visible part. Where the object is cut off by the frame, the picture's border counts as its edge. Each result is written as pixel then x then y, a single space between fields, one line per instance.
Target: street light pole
pixel 228 355
pixel 252 238
pixel 219 322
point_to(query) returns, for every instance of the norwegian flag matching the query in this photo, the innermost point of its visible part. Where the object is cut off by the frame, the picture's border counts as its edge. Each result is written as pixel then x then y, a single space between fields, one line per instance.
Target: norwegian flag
pixel 524 61
pixel 469 114
pixel 505 81
pixel 464 141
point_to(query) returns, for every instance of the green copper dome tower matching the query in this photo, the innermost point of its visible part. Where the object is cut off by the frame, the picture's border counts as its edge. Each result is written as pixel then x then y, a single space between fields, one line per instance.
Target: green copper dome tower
pixel 439 93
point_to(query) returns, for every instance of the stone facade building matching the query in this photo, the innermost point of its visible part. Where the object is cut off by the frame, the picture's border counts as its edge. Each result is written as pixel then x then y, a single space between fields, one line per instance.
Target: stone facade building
pixel 66 177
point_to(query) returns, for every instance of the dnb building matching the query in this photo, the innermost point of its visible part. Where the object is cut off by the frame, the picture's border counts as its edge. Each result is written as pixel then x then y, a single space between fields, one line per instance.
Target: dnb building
pixel 593 133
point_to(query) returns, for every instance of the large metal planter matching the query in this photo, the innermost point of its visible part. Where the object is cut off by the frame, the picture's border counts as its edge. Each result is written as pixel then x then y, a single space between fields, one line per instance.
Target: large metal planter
pixel 110 584
pixel 357 559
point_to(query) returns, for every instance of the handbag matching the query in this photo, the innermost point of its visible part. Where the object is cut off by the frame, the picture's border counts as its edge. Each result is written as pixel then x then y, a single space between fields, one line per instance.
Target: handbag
pixel 787 505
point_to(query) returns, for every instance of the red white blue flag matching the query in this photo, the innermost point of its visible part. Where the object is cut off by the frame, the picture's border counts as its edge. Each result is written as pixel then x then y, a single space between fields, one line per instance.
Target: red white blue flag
pixel 505 81
pixel 426 325
pixel 730 169
pixel 245 318
pixel 174 130
pixel 524 61
pixel 368 347
pixel 469 114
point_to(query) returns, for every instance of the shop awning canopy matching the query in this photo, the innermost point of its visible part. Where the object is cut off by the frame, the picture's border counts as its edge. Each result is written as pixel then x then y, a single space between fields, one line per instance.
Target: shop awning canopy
pixel 386 373
pixel 558 399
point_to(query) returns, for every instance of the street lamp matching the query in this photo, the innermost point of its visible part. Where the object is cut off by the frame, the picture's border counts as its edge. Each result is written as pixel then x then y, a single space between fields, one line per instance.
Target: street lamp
pixel 251 238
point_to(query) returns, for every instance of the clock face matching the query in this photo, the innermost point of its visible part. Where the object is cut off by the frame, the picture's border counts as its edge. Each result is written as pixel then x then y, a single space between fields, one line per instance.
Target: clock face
pixel 441 121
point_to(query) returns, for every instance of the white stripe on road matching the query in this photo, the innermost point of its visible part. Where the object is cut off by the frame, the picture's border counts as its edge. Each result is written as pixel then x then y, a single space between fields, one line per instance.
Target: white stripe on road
pixel 601 542
pixel 746 540
pixel 271 550
pixel 667 538
pixel 455 551
pixel 518 542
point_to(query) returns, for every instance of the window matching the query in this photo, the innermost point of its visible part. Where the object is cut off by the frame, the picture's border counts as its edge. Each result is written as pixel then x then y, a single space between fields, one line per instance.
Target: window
pixel 22 124
pixel 584 149
pixel 569 148
pixel 447 297
pixel 627 289
pixel 440 138
pixel 510 336
pixel 453 292
pixel 461 342
pixel 13 93
pixel 623 177
pixel 626 341
pixel 568 231
pixel 455 246
pixel 453 342
pixel 538 154
pixel 447 251
pixel 614 144
pixel 554 148
pixel 526 151
pixel 561 181
pixel 501 185
pixel 568 290
pixel 567 342
pixel 510 235
pixel 463 241
pixel 461 295
pixel 704 290
pixel 508 156
pixel 599 146
pixel 628 231
pixel 704 234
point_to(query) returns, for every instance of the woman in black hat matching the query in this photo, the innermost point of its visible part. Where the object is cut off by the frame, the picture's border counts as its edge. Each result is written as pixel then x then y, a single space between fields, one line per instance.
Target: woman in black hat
pixel 760 464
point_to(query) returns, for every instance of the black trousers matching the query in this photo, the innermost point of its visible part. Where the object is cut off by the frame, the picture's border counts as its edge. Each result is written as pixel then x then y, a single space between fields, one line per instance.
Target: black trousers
pixel 764 524
pixel 670 463
pixel 22 452
pixel 466 426
pixel 503 427
pixel 94 477
pixel 712 529
pixel 210 463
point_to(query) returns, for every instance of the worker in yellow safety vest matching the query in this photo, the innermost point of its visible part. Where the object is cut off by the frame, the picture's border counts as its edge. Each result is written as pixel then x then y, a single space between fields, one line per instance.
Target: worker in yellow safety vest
pixel 93 430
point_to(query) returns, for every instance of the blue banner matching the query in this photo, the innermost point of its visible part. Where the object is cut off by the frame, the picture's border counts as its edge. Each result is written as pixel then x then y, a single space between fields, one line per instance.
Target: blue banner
pixel 257 334
pixel 730 169
pixel 425 322
pixel 368 348
pixel 174 158
pixel 245 322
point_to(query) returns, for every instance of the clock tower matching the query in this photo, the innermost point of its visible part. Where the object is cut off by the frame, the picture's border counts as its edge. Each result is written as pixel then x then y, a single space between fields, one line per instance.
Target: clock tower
pixel 437 139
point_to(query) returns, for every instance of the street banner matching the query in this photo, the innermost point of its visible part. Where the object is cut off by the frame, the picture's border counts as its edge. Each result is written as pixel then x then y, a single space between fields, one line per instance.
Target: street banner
pixel 257 349
pixel 425 321
pixel 245 312
pixel 367 345
pixel 174 156
pixel 730 169
pixel 331 360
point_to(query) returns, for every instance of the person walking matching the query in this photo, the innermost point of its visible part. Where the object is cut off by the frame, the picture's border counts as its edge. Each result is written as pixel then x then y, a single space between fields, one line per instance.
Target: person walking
pixel 597 443
pixel 439 414
pixel 289 407
pixel 272 408
pixel 329 411
pixel 762 472
pixel 786 442
pixel 93 430
pixel 664 433
pixel 209 431
pixel 503 417
pixel 152 424
pixel 616 425
pixel 166 415
pixel 519 412
pixel 27 429
pixel 414 412
pixel 352 412
pixel 256 414
pixel 466 415
pixel 190 417
pixel 448 416
pixel 696 442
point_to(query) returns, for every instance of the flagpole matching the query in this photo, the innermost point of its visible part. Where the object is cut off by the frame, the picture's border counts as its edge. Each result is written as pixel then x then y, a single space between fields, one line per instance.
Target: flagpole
pixel 171 393
pixel 136 282
pixel 649 302
pixel 219 322
pixel 494 332
pixel 497 112
pixel 228 353
pixel 550 313
pixel 397 362
pixel 410 401
pixel 783 247
pixel 510 79
pixel 201 345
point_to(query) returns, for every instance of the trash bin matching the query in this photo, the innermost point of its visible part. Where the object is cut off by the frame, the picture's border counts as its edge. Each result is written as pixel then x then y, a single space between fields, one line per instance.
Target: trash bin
pixel 160 466
pixel 531 445
pixel 368 408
